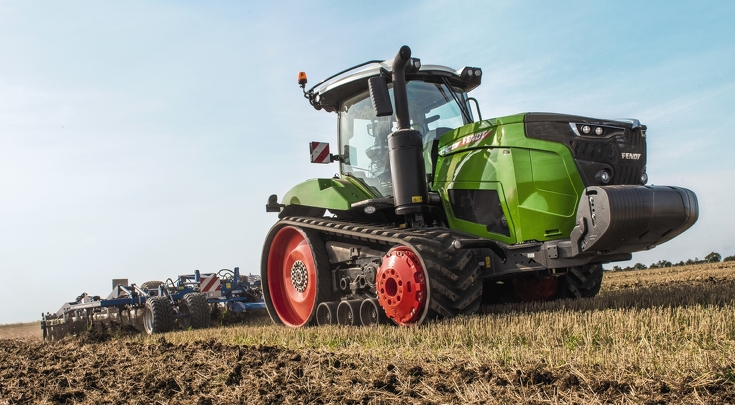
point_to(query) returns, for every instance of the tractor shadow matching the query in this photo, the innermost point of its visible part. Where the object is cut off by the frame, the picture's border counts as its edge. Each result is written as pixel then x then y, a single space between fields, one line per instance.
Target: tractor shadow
pixel 706 292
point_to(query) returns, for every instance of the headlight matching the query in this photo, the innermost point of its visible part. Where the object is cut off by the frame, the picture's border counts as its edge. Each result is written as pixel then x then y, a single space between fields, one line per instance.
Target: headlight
pixel 603 176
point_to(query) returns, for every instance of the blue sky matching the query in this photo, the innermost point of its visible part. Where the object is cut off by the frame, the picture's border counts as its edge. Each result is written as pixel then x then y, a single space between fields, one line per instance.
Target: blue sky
pixel 141 140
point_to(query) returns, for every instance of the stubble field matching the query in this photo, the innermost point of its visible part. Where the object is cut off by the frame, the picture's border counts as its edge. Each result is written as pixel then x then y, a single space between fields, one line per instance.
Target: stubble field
pixel 652 336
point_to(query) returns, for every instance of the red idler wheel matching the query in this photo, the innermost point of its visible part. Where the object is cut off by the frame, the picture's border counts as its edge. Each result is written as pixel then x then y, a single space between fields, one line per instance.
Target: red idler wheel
pixel 292 277
pixel 401 286
pixel 534 288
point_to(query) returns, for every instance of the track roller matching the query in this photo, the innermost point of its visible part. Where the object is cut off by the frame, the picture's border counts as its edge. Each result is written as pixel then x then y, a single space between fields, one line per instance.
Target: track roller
pixel 348 312
pixel 326 313
pixel 371 313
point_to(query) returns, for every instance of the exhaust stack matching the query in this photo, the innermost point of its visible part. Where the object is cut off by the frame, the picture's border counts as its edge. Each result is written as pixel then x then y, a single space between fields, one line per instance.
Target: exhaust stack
pixel 406 151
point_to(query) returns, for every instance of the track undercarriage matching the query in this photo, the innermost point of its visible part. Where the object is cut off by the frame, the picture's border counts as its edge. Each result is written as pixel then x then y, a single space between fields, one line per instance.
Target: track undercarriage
pixel 324 271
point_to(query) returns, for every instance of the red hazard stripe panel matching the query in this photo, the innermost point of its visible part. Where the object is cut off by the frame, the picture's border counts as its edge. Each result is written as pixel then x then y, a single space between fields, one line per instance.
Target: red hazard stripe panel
pixel 210 283
pixel 320 152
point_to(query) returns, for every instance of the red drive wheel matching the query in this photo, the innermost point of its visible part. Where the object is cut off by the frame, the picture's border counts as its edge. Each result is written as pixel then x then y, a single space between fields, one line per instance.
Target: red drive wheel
pixel 292 277
pixel 402 287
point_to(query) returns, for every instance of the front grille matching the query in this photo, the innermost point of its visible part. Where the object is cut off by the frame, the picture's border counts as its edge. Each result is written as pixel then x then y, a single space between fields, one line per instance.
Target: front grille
pixel 626 174
pixel 620 150
pixel 591 150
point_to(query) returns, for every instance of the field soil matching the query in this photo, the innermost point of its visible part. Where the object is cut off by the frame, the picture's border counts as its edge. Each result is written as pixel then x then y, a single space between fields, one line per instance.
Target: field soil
pixel 650 337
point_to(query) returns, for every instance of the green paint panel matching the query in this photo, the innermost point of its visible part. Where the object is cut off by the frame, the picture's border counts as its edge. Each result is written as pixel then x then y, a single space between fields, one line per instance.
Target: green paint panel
pixel 537 181
pixel 332 194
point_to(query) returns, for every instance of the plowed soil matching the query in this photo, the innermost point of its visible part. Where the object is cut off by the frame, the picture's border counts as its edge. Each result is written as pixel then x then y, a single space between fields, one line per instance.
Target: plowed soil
pixel 124 372
pixel 183 368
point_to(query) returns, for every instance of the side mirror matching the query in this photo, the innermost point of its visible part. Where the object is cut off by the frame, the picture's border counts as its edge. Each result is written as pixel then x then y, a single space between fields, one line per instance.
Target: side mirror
pixel 273 205
pixel 349 155
pixel 380 96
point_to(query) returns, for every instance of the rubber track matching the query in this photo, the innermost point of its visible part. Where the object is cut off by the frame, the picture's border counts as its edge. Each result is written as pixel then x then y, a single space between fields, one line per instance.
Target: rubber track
pixel 582 281
pixel 198 309
pixel 454 275
pixel 321 260
pixel 163 314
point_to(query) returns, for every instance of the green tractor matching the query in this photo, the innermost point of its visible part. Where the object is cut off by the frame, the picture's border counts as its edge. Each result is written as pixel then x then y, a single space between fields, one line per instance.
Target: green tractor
pixel 435 212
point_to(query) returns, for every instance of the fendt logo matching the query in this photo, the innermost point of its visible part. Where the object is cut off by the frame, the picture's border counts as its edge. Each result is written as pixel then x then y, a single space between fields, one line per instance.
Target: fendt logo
pixel 631 156
pixel 465 141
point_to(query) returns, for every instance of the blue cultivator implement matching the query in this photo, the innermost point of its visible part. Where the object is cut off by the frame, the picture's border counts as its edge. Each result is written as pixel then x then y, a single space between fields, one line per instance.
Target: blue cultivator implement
pixel 156 306
pixel 238 293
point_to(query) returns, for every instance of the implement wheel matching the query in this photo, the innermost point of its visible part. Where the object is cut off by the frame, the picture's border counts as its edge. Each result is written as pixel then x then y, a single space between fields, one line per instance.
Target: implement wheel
pixel 159 315
pixel 296 276
pixel 150 285
pixel 197 307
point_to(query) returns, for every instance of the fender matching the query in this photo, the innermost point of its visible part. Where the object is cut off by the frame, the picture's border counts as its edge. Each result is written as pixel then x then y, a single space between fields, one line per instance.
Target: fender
pixel 331 194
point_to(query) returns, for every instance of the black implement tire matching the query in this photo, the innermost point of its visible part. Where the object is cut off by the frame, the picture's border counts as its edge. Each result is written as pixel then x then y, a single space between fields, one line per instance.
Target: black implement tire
pixel 159 315
pixel 581 281
pixel 197 307
pixel 150 285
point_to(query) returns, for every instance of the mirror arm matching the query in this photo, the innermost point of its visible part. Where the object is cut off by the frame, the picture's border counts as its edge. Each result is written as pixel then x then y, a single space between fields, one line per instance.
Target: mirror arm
pixel 477 107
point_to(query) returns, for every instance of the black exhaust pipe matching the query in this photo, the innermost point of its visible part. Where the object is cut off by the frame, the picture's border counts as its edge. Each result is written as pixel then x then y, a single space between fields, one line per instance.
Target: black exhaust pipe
pixel 406 151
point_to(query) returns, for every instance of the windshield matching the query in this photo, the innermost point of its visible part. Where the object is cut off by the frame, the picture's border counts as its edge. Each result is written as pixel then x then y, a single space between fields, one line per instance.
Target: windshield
pixel 433 110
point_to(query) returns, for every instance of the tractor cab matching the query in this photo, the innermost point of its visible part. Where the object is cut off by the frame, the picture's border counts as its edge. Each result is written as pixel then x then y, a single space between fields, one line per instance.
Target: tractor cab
pixel 437 103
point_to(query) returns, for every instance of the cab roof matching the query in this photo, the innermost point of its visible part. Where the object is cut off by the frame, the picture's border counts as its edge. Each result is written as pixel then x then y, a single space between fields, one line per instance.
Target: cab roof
pixel 331 92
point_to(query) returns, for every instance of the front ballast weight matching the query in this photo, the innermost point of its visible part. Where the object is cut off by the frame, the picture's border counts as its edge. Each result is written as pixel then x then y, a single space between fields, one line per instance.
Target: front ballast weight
pixel 624 219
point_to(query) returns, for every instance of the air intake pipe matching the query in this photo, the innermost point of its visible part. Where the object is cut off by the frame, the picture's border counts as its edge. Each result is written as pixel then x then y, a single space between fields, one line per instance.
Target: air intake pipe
pixel 406 150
